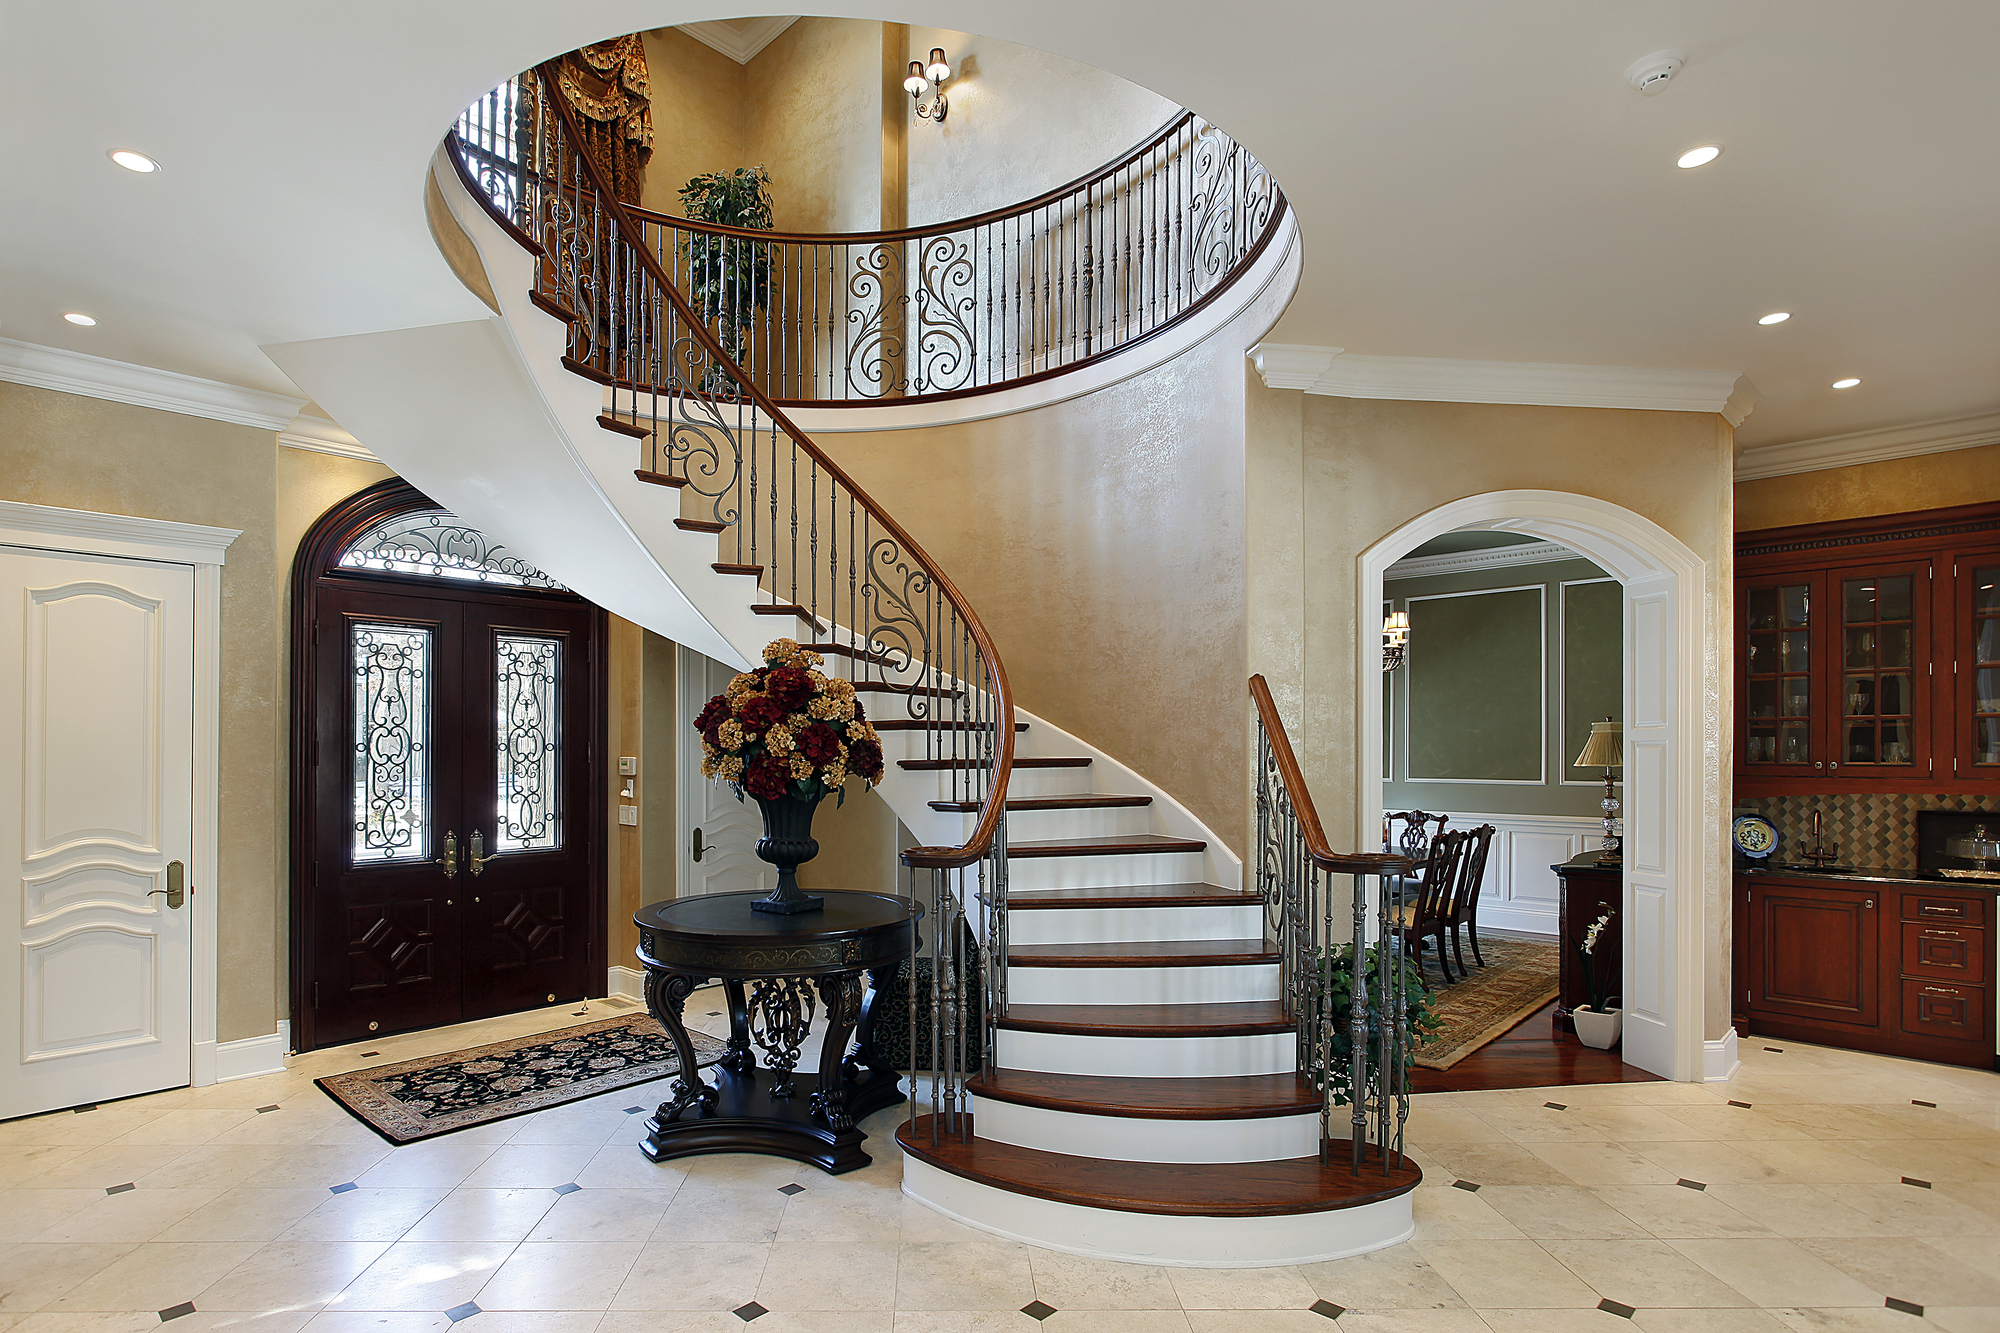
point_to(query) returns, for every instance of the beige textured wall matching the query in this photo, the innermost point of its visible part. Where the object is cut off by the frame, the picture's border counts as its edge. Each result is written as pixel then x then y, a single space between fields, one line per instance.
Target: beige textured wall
pixel 697 115
pixel 1365 468
pixel 857 845
pixel 85 453
pixel 1897 486
pixel 812 113
pixel 1101 541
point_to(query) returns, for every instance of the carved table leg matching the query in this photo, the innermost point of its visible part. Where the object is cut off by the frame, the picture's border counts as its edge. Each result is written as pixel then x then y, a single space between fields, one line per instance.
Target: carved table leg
pixel 780 1016
pixel 666 995
pixel 842 994
pixel 740 1058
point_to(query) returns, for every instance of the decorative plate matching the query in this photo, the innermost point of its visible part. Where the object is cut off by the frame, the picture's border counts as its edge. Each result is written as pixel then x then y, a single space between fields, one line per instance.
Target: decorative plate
pixel 1755 836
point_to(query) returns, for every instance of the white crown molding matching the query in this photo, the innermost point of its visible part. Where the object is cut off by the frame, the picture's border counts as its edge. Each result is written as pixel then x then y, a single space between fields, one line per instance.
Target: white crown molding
pixel 1469 562
pixel 321 436
pixel 1339 374
pixel 142 386
pixel 739 39
pixel 1868 446
pixel 113 534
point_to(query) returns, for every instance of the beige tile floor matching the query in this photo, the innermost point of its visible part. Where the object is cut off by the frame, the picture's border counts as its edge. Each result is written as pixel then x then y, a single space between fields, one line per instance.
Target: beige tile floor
pixel 1831 1193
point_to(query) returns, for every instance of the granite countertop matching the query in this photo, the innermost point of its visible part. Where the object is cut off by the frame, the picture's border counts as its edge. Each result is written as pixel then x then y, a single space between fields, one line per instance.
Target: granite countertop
pixel 1875 875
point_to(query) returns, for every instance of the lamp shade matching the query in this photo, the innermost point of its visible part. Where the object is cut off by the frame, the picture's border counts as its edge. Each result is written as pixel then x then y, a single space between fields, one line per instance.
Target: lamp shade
pixel 1605 748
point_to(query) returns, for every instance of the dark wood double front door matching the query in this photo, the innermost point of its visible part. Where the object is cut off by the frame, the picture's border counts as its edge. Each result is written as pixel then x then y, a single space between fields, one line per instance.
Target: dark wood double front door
pixel 450 818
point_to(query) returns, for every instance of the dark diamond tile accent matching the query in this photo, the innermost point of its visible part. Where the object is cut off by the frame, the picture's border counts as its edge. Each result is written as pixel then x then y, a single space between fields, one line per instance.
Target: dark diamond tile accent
pixel 365 1054
pixel 342 1189
pixel 458 1312
pixel 1691 1184
pixel 1555 1106
pixel 266 1110
pixel 715 1013
pixel 1613 1307
pixel 176 1311
pixel 1915 1102
pixel 1775 1050
pixel 1920 1184
pixel 1038 1310
pixel 120 1189
pixel 1327 1308
pixel 635 1110
pixel 748 1312
pixel 570 1188
pixel 81 1109
pixel 579 1013
pixel 1465 1185
pixel 791 1189
pixel 1744 1105
pixel 1907 1307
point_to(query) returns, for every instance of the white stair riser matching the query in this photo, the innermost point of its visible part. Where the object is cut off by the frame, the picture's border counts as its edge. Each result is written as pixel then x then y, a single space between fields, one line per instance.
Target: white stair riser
pixel 1097 822
pixel 1109 925
pixel 1022 781
pixel 1228 984
pixel 1145 1139
pixel 1100 872
pixel 1154 1238
pixel 1148 1057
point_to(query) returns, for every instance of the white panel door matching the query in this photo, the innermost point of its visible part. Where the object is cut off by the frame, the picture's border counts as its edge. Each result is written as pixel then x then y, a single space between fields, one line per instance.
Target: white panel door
pixel 725 828
pixel 96 776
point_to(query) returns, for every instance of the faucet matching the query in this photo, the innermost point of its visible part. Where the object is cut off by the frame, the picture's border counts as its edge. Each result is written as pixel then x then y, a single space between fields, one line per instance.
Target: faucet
pixel 1820 856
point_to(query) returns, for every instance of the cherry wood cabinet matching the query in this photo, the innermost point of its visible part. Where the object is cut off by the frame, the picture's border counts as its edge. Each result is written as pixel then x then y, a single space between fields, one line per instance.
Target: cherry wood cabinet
pixel 1893 968
pixel 1868 655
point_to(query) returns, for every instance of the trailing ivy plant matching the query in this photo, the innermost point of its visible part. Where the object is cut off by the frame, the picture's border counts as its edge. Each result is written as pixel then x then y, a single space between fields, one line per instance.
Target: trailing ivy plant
pixel 729 277
pixel 1336 988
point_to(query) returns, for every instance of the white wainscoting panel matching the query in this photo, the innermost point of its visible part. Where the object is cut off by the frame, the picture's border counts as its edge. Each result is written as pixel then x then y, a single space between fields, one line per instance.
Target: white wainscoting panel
pixel 1521 892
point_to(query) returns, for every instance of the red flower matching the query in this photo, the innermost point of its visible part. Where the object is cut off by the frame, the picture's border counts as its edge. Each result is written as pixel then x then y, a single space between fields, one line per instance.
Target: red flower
pixel 769 777
pixel 761 714
pixel 715 712
pixel 860 713
pixel 865 758
pixel 818 743
pixel 789 687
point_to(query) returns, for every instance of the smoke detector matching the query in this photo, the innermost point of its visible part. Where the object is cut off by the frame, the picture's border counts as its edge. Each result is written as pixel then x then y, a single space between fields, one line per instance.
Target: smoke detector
pixel 1650 74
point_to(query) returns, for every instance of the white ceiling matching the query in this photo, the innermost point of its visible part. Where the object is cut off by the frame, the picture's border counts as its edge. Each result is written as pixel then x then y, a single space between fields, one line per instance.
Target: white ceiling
pixel 1475 180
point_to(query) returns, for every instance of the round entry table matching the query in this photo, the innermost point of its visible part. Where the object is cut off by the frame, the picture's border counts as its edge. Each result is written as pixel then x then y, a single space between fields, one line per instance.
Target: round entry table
pixel 773 968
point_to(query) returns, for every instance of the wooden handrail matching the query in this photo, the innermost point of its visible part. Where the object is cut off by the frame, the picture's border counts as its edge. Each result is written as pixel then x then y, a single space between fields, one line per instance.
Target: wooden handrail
pixel 990 814
pixel 1323 855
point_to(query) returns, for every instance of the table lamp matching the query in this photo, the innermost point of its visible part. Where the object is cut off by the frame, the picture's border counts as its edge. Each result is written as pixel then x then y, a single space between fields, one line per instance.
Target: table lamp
pixel 1606 749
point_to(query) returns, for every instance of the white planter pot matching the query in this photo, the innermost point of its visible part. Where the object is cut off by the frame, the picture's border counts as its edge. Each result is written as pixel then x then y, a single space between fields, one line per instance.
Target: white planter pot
pixel 1598 1029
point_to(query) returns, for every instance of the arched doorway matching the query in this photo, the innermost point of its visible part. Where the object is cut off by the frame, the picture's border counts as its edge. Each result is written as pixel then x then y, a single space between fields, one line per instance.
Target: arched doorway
pixel 447 709
pixel 1672 847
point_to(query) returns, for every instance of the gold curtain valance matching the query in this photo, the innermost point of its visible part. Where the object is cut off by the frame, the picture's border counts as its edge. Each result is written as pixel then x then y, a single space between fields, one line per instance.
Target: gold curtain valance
pixel 606 84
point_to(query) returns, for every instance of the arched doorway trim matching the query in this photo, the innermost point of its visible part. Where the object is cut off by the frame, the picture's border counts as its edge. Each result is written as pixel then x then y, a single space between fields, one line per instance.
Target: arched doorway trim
pixel 1671 848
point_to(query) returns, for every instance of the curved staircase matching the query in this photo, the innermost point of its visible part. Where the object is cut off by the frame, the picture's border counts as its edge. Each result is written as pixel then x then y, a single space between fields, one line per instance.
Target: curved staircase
pixel 1147 1018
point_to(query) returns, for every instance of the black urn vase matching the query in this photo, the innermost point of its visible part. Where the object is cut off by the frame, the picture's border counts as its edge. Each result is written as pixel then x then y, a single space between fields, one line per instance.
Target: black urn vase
pixel 787 844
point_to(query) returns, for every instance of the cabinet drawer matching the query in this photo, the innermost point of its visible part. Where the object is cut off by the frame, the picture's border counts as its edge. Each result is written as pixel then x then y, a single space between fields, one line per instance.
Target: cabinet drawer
pixel 1944 953
pixel 1941 907
pixel 1945 1011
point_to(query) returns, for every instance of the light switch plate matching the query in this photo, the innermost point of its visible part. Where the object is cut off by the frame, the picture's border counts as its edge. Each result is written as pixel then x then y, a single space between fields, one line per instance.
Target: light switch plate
pixel 628 814
pixel 628 766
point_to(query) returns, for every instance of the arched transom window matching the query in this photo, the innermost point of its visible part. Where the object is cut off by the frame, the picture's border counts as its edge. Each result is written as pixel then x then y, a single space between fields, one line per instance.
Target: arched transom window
pixel 436 543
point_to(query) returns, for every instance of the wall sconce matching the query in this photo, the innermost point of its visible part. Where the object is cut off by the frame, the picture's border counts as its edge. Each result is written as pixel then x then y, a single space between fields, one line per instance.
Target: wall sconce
pixel 923 79
pixel 1395 639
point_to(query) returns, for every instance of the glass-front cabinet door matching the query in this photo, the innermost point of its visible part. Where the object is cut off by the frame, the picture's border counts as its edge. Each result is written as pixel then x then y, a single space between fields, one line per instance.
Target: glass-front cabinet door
pixel 1977 721
pixel 1782 713
pixel 1881 680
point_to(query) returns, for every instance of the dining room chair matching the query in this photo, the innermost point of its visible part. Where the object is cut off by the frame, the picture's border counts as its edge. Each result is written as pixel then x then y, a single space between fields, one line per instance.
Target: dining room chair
pixel 1426 915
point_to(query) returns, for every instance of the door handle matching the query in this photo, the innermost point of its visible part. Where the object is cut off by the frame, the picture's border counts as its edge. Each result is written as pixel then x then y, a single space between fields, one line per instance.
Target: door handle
pixel 479 845
pixel 176 890
pixel 698 848
pixel 450 858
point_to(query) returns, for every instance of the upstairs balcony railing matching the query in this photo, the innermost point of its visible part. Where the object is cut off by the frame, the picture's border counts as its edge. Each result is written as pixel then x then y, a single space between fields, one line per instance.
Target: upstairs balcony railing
pixel 1019 294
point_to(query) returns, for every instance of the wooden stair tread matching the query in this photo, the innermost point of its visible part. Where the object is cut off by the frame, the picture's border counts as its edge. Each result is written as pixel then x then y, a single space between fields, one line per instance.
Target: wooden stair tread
pixel 549 305
pixel 622 426
pixel 1181 1189
pixel 1224 1097
pixel 1132 895
pixel 1236 1018
pixel 1127 844
pixel 754 571
pixel 1080 801
pixel 700 525
pixel 659 478
pixel 918 765
pixel 849 650
pixel 922 724
pixel 1143 953
pixel 915 691
pixel 786 609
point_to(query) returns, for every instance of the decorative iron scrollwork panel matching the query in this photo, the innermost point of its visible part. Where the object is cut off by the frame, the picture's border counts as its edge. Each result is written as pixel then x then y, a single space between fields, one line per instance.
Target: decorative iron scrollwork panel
pixel 391 670
pixel 528 747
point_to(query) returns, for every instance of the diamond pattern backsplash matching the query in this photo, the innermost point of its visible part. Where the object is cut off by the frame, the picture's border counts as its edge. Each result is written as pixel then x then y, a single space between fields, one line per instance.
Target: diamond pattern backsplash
pixel 1862 830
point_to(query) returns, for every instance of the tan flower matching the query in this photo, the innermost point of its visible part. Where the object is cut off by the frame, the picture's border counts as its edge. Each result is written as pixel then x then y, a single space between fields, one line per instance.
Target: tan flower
pixel 801 767
pixel 798 722
pixel 825 708
pixel 862 731
pixel 836 773
pixel 729 768
pixel 707 763
pixel 739 686
pixel 778 740
pixel 730 735
pixel 840 689
pixel 819 680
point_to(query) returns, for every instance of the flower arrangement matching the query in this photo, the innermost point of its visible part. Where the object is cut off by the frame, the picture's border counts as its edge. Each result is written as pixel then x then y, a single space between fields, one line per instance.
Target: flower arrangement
pixel 787 729
pixel 1586 953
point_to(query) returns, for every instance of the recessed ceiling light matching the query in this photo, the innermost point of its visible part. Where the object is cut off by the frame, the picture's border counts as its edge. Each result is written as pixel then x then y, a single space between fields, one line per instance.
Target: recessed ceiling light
pixel 1699 157
pixel 132 161
pixel 74 318
pixel 1776 317
pixel 1848 383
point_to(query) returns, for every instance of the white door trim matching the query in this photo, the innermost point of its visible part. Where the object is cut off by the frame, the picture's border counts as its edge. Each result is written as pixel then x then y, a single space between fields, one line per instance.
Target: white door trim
pixel 48 528
pixel 1671 845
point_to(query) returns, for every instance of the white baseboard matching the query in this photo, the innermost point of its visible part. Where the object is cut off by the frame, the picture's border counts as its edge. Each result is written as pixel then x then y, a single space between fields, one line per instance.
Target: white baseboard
pixel 1719 1061
pixel 1526 920
pixel 251 1056
pixel 626 982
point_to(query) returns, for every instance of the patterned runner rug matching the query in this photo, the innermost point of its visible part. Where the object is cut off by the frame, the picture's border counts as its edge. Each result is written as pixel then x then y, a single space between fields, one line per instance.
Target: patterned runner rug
pixel 1519 978
pixel 419 1099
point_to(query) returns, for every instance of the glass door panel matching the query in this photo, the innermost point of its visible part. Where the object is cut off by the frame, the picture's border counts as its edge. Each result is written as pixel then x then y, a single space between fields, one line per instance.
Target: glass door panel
pixel 1984 671
pixel 1777 730
pixel 1880 677
pixel 527 676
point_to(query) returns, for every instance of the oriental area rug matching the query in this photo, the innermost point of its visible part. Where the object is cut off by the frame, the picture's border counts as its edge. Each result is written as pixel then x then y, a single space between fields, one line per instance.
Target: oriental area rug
pixel 1520 977
pixel 420 1099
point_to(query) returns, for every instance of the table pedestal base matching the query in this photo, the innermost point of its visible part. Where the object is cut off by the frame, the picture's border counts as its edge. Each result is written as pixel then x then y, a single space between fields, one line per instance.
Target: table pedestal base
pixel 745 1117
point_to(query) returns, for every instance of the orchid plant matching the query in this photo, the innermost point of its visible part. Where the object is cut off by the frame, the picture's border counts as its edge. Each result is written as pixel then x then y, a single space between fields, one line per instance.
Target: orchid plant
pixel 1586 953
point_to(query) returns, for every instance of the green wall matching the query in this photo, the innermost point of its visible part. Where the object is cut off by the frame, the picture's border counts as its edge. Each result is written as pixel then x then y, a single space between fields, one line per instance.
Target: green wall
pixel 1507 668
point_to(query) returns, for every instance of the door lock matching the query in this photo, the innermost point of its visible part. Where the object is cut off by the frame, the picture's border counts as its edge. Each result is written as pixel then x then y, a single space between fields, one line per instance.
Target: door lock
pixel 698 848
pixel 450 858
pixel 175 891
pixel 479 845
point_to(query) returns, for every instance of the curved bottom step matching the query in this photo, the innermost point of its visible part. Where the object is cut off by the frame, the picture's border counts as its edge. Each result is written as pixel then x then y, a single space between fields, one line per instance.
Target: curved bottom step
pixel 1276 1213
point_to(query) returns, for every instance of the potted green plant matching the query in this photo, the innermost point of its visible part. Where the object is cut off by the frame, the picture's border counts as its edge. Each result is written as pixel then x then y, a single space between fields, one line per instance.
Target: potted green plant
pixel 1336 988
pixel 1598 1023
pixel 728 277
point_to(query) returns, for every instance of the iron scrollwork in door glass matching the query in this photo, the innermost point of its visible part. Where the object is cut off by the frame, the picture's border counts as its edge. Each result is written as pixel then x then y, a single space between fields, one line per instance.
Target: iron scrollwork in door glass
pixel 528 742
pixel 391 668
pixel 436 543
